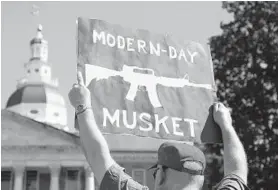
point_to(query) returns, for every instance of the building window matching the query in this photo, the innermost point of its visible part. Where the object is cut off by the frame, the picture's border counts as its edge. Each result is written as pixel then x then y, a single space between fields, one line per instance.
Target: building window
pixel 28 71
pixel 37 70
pixel 139 175
pixel 37 180
pixel 34 111
pixel 31 180
pixel 72 179
pixel 6 180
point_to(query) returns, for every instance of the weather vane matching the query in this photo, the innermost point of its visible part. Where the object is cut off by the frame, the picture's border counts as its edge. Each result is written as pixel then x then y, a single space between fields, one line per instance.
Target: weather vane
pixel 36 13
pixel 35 10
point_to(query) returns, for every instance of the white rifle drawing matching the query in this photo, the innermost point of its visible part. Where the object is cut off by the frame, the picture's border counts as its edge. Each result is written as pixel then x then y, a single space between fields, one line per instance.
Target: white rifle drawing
pixel 140 77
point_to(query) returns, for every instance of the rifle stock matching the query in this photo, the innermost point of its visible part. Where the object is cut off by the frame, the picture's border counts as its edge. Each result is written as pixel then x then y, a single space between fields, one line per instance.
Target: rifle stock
pixel 206 86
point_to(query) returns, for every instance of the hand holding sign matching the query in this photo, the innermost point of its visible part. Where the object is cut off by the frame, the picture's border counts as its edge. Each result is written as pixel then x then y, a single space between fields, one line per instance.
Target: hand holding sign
pixel 222 116
pixel 80 94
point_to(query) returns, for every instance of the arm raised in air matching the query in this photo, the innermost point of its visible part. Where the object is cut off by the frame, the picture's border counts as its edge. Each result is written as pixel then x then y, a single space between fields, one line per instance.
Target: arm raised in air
pixel 93 142
pixel 235 161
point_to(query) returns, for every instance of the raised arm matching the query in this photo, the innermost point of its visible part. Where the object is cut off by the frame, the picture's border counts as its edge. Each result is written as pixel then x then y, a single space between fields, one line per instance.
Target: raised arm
pixel 93 142
pixel 235 161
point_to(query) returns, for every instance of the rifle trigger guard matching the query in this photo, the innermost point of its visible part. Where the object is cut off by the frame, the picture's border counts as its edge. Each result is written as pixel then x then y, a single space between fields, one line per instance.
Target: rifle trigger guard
pixel 142 88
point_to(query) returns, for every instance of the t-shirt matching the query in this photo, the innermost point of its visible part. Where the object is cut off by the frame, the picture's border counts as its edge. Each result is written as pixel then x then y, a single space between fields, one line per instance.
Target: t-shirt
pixel 115 178
pixel 231 182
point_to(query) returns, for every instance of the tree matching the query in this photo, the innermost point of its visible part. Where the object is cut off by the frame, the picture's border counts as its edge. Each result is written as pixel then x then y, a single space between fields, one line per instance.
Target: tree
pixel 245 58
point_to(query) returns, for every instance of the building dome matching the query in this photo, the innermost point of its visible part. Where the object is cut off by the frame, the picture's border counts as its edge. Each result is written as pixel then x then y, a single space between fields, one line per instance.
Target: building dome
pixel 36 93
pixel 37 96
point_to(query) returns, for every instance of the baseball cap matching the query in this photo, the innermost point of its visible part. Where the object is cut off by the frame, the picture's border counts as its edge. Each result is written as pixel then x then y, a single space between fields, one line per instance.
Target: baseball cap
pixel 181 157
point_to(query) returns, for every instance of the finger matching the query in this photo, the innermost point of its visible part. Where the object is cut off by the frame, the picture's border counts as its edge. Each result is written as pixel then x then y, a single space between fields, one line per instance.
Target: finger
pixel 222 106
pixel 75 85
pixel 80 80
pixel 215 106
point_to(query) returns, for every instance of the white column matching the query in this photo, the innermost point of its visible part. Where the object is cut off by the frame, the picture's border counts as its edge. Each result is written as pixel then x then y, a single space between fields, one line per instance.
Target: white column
pixel 55 173
pixel 18 175
pixel 90 180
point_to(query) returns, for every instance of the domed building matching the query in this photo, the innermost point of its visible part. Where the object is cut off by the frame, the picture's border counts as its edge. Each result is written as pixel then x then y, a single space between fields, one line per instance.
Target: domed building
pixel 38 150
pixel 37 95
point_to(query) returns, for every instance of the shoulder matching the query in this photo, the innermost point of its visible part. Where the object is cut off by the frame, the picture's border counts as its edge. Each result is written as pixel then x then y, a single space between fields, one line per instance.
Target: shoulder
pixel 231 182
pixel 115 178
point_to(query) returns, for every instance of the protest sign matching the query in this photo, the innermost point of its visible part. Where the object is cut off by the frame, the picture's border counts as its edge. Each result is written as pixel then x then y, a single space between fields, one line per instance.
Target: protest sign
pixel 147 84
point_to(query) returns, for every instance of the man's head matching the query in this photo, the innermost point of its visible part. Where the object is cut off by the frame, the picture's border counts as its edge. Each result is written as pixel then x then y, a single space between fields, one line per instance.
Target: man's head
pixel 180 166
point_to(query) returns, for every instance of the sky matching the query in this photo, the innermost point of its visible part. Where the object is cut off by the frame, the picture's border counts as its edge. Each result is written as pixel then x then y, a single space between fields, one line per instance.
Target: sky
pixel 188 20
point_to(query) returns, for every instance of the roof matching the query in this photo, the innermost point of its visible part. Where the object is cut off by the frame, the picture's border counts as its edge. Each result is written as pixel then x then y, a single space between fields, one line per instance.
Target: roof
pixel 32 93
pixel 18 130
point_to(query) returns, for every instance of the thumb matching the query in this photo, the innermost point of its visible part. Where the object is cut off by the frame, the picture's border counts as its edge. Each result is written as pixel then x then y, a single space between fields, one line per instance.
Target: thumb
pixel 215 107
pixel 80 79
pixel 222 105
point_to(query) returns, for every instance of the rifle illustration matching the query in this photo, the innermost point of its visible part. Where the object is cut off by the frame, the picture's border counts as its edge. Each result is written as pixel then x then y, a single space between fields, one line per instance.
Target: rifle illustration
pixel 137 77
pixel 140 77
